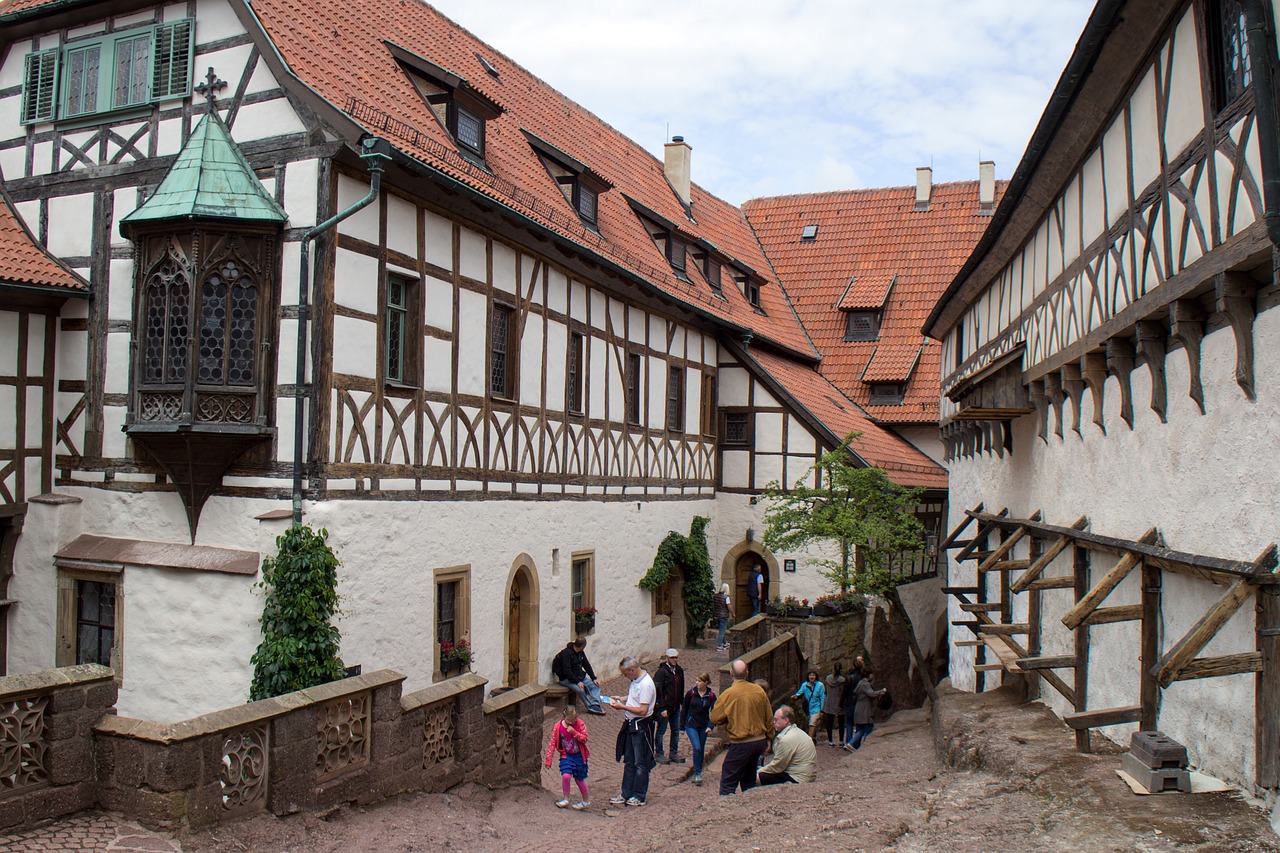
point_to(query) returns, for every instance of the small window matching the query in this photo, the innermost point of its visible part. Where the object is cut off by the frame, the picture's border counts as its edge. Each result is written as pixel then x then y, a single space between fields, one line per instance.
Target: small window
pixel 675 397
pixel 887 393
pixel 737 429
pixel 574 378
pixel 677 255
pixel 502 352
pixel 633 388
pixel 582 593
pixel 468 129
pixel 1232 68
pixel 809 232
pixel 401 354
pixel 453 614
pixel 862 326
pixel 751 290
pixel 586 201
pixel 708 404
pixel 90 624
pixel 711 269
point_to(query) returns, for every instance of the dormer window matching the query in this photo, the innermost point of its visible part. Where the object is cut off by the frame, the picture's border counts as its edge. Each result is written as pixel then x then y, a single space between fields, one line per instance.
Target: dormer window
pixel 862 326
pixel 678 256
pixel 461 109
pixel 750 290
pixel 710 268
pixel 887 393
pixel 579 183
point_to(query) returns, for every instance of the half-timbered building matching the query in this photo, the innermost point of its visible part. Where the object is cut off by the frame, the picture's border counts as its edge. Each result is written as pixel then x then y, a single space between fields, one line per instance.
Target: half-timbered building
pixel 349 264
pixel 1109 395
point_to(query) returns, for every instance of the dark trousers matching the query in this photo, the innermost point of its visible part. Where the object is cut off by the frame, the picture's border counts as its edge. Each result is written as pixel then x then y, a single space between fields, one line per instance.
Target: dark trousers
pixel 740 763
pixel 637 758
pixel 838 722
pixel 672 721
pixel 755 607
pixel 777 779
pixel 861 732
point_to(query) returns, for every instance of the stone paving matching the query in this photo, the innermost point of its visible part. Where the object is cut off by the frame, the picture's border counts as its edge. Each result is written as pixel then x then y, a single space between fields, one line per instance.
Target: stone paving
pixel 92 832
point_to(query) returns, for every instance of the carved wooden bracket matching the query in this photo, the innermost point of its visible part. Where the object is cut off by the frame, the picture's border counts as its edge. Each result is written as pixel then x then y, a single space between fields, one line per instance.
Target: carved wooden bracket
pixel 1074 386
pixel 1186 320
pixel 1152 349
pixel 1094 370
pixel 1036 392
pixel 988 442
pixel 1120 365
pixel 1053 393
pixel 947 433
pixel 1234 292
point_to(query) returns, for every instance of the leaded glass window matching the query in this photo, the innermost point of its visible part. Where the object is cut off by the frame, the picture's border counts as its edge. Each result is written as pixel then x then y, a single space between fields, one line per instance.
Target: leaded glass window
pixel 1234 69
pixel 500 353
pixel 587 200
pixel 228 327
pixel 82 80
pixel 574 379
pixel 447 612
pixel 737 428
pixel 675 398
pixel 167 323
pixel 633 388
pixel 397 325
pixel 95 622
pixel 133 68
pixel 470 131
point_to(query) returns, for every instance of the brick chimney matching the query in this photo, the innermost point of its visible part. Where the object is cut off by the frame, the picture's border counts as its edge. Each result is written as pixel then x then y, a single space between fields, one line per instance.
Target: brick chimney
pixel 676 157
pixel 986 186
pixel 924 187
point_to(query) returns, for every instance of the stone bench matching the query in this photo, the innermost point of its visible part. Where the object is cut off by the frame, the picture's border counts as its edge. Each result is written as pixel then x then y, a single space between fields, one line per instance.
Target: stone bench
pixel 559 695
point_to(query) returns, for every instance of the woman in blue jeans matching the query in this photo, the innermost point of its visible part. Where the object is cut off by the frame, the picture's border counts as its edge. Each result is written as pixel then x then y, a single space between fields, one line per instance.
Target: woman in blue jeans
pixel 696 713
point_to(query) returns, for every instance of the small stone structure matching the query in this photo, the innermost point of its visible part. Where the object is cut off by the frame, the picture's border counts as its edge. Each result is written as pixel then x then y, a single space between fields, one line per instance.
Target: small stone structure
pixel 822 640
pixel 778 661
pixel 63 749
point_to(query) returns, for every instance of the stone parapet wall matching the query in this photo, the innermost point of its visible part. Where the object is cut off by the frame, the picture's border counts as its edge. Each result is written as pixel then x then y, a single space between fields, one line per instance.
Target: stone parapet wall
pixel 351 741
pixel 778 661
pixel 822 640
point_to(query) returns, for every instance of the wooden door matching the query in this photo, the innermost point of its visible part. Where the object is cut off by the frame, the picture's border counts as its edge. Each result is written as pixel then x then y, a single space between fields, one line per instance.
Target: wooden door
pixel 747 563
pixel 513 634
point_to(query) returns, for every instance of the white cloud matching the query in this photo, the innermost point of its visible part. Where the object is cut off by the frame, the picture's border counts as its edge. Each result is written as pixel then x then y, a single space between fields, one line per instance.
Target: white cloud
pixel 801 96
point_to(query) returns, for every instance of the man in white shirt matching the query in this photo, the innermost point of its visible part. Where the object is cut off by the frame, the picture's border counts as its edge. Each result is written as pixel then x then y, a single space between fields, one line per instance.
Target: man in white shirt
pixel 635 740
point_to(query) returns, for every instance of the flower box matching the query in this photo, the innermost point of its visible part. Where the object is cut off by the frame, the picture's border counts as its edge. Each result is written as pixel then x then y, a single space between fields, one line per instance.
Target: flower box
pixel 801 612
pixel 826 609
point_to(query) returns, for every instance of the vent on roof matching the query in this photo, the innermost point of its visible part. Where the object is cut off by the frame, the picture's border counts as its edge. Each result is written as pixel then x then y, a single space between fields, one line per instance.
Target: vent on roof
pixel 836 403
pixel 809 232
pixel 488 66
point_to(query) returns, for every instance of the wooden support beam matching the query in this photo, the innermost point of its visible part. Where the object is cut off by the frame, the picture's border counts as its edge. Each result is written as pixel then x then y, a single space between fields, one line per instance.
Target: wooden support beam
pixel 1008 566
pixel 1082 720
pixel 966 643
pixel 972 624
pixel 998 630
pixel 1073 384
pixel 1120 357
pixel 1035 619
pixel 1094 370
pixel 1148 687
pixel 1233 294
pixel 979 607
pixel 959 590
pixel 1034 571
pixel 1186 649
pixel 984 528
pixel 1080 586
pixel 1224 665
pixel 1004 652
pixel 1053 393
pixel 1048 662
pixel 987 667
pixel 1266 690
pixel 1039 402
pixel 1074 617
pixel 1120 613
pixel 1152 349
pixel 950 541
pixel 1006 546
pixel 1063 582
pixel 1186 325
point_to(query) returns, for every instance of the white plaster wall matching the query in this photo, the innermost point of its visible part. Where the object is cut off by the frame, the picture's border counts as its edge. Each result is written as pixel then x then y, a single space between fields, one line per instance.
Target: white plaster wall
pixel 926 439
pixel 1197 478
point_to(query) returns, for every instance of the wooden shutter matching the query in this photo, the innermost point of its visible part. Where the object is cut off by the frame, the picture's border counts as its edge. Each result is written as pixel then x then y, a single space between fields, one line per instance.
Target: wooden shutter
pixel 40 88
pixel 172 56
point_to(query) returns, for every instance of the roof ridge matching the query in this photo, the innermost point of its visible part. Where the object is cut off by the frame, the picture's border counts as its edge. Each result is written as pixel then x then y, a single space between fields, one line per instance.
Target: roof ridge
pixel 861 190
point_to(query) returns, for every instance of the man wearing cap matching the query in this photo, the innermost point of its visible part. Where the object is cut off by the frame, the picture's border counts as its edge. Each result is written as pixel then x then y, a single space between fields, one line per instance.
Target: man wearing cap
pixel 669 682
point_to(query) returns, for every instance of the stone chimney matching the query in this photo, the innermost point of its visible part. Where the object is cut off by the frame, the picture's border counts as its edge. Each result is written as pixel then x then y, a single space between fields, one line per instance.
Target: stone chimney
pixel 924 187
pixel 986 186
pixel 676 156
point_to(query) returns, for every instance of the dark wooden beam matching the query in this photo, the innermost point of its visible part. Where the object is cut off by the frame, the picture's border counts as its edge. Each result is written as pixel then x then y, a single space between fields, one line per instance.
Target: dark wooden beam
pixel 1149 652
pixel 1073 384
pixel 1053 393
pixel 1080 584
pixel 1152 348
pixel 1120 356
pixel 1000 630
pixel 1048 662
pixel 1120 613
pixel 1266 691
pixel 1234 292
pixel 1223 665
pixel 1042 562
pixel 1063 582
pixel 1082 721
pixel 1074 617
pixel 1186 325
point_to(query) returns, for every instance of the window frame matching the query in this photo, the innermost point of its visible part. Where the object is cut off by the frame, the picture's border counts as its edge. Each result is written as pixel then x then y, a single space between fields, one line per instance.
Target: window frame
pixel 454 112
pixel 851 335
pixel 510 355
pixel 748 431
pixel 633 388
pixel 55 80
pixel 676 386
pixel 587 594
pixel 708 412
pixel 410 375
pixel 751 292
pixel 575 374
pixel 887 393
pixel 1229 85
pixel 68 613
pixel 461 575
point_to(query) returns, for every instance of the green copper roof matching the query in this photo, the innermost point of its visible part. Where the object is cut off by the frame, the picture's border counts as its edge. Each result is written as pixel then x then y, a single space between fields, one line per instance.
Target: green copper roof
pixel 209 179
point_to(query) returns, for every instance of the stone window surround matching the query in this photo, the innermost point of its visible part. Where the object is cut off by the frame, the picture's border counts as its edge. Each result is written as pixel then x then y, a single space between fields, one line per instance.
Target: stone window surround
pixel 588 586
pixel 462 608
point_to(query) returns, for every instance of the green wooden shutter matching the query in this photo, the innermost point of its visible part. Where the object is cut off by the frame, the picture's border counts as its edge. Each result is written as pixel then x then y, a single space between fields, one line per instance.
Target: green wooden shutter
pixel 172 57
pixel 40 88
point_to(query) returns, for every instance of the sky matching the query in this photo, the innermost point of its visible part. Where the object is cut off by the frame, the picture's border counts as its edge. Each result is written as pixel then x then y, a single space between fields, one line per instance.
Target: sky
pixel 791 96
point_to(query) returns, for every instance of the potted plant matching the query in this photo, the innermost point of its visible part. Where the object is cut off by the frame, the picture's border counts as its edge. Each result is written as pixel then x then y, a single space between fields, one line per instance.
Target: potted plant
pixel 584 619
pixel 455 656
pixel 828 605
pixel 775 607
pixel 798 609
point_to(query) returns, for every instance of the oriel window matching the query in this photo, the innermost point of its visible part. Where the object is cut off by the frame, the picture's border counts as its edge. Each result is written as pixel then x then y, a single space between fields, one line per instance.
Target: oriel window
pixel 1233 71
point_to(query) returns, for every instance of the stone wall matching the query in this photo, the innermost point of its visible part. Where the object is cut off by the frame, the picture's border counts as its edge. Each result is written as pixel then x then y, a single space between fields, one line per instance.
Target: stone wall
pixel 778 661
pixel 351 741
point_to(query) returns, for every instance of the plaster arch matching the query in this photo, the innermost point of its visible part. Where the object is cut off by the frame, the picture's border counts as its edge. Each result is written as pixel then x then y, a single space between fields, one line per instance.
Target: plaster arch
pixel 521 626
pixel 729 572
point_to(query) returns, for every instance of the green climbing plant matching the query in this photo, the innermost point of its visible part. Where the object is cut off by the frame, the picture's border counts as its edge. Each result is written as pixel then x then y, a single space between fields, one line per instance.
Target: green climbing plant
pixel 687 555
pixel 299 646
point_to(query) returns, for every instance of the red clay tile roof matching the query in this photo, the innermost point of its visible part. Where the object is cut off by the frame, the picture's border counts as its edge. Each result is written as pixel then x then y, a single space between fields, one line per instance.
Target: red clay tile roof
pixel 369 85
pixel 903 463
pixel 867 292
pixel 870 236
pixel 22 261
pixel 10 6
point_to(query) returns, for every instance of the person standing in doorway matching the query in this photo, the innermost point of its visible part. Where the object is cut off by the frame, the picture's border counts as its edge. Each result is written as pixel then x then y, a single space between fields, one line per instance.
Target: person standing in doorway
pixel 669 682
pixel 755 590
pixel 635 738
pixel 722 612
pixel 743 710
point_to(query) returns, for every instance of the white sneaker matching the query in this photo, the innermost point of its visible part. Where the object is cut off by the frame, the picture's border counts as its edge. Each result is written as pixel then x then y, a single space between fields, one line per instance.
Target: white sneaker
pixel 617 801
pixel 581 804
pixel 562 804
pixel 635 801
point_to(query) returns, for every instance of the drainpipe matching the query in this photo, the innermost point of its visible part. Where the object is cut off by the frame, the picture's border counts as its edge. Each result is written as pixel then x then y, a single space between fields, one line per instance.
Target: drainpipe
pixel 1262 52
pixel 373 151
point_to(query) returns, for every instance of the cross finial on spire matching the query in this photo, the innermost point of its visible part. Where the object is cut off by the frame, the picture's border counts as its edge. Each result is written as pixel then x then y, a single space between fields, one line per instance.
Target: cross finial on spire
pixel 211 86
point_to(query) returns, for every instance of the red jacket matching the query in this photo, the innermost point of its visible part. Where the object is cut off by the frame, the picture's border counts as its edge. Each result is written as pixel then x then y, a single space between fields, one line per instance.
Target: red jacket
pixel 579 734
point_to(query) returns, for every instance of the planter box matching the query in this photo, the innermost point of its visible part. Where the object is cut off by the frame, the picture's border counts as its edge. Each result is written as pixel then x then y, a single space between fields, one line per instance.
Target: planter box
pixel 800 612
pixel 584 625
pixel 771 610
pixel 826 609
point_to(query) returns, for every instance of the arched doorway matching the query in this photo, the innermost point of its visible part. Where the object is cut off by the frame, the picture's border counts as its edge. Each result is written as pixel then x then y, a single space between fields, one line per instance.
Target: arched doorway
pixel 736 568
pixel 522 623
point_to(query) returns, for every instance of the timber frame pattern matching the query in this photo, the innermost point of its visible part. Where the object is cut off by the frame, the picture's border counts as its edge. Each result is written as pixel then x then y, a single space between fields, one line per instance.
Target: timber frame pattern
pixel 994 631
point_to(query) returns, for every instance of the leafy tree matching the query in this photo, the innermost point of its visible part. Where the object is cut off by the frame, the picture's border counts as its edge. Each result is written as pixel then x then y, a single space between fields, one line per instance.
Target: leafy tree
pixel 299 646
pixel 868 519
pixel 865 515
pixel 689 556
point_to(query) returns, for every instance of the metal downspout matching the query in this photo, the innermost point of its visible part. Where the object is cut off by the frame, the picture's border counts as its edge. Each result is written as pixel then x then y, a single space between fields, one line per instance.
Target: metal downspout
pixel 1262 50
pixel 373 151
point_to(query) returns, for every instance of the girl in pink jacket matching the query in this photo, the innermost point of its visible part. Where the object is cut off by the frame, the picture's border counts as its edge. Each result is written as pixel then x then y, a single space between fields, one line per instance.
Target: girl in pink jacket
pixel 570 737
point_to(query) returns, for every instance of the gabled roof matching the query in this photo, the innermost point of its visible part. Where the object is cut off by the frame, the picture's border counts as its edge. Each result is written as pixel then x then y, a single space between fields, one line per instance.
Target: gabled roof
pixel 24 263
pixel 839 416
pixel 209 179
pixel 369 85
pixel 866 240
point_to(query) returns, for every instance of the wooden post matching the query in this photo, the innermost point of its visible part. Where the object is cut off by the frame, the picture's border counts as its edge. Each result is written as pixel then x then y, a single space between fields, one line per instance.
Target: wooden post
pixel 1267 689
pixel 1080 567
pixel 1150 688
pixel 1033 619
pixel 980 580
